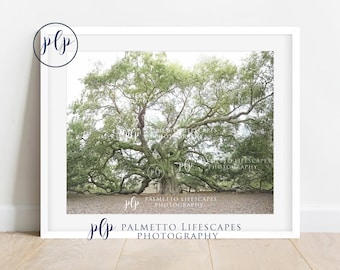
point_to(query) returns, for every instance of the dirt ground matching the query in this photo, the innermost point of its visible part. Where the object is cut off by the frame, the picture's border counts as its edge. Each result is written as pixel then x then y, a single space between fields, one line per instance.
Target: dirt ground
pixel 186 203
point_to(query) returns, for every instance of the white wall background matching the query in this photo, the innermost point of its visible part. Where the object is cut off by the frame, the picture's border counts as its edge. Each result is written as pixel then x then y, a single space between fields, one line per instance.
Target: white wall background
pixel 319 22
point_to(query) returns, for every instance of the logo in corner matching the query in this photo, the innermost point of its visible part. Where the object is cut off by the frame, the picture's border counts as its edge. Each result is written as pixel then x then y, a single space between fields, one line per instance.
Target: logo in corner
pixel 58 44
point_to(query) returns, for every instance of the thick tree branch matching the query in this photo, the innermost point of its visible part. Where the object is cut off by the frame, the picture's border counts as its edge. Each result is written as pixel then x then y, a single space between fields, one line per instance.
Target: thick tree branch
pixel 228 118
pixel 171 128
pixel 206 180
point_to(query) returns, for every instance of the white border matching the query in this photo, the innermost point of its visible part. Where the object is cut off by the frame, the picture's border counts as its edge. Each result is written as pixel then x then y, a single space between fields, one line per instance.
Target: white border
pixel 296 129
pixel 48 73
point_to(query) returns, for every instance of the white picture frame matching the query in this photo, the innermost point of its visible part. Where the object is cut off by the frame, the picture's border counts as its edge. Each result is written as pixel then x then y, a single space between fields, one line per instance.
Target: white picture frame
pixel 284 222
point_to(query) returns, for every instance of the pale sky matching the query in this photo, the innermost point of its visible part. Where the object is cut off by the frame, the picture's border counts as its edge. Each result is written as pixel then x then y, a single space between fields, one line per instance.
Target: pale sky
pixel 84 62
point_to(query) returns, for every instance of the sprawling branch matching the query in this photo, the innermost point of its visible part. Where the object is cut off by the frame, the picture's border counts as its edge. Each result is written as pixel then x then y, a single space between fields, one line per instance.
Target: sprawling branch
pixel 206 180
pixel 229 118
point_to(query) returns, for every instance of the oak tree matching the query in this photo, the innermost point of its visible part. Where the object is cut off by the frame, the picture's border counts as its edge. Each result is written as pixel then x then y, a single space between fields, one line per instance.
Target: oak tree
pixel 148 119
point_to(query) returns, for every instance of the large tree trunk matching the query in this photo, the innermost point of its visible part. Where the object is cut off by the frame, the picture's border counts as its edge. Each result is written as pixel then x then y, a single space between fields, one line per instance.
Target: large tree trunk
pixel 169 185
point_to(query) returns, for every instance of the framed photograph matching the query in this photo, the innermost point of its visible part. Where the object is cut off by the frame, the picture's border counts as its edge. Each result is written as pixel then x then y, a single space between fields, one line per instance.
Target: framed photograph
pixel 169 133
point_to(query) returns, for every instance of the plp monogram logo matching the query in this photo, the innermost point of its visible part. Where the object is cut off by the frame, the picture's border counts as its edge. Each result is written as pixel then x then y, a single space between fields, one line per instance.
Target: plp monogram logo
pixel 58 44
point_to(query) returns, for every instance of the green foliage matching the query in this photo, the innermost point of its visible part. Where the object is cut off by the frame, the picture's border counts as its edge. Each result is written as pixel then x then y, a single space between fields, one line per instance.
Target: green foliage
pixel 148 119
